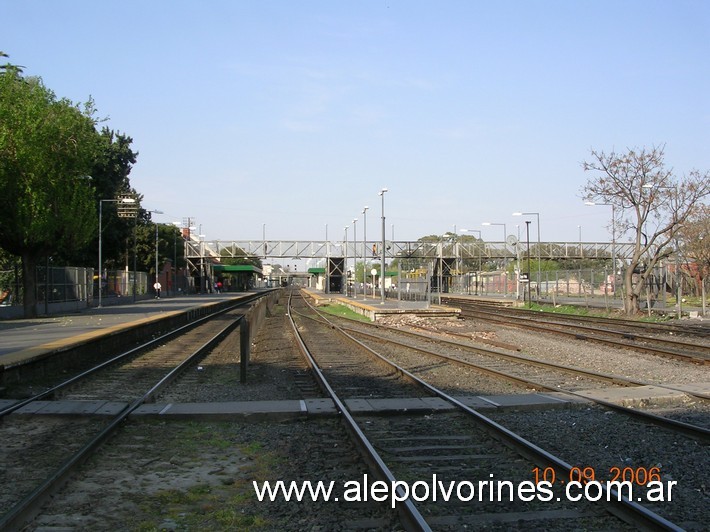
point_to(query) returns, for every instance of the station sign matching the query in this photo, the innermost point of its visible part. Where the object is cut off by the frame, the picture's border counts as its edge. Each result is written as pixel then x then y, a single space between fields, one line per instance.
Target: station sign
pixel 127 206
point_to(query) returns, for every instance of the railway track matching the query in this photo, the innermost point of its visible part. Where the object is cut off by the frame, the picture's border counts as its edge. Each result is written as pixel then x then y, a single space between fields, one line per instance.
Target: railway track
pixel 529 373
pixel 457 444
pixel 697 330
pixel 624 334
pixel 411 445
pixel 124 383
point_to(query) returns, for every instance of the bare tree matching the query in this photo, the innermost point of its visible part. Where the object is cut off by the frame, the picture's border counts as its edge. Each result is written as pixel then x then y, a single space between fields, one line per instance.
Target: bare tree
pixel 652 206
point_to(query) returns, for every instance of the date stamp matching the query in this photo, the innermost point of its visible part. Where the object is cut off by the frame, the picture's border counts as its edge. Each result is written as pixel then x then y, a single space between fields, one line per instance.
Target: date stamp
pixel 640 476
pixel 613 483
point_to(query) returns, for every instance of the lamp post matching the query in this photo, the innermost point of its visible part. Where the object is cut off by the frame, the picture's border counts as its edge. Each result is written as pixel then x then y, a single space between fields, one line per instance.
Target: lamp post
pixel 364 251
pixel 345 261
pixel 177 226
pixel 382 270
pixel 527 233
pixel 203 269
pixel 355 258
pixel 505 243
pixel 101 209
pixel 156 249
pixel 539 269
pixel 327 261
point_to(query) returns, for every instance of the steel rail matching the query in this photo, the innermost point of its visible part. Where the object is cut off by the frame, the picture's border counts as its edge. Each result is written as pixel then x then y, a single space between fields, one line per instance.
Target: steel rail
pixel 662 328
pixel 701 357
pixel 120 357
pixel 27 508
pixel 622 381
pixel 618 505
pixel 692 430
pixel 411 518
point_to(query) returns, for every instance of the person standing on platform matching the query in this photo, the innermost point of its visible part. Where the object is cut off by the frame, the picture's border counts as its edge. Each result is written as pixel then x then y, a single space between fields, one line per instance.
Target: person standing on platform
pixel 157 287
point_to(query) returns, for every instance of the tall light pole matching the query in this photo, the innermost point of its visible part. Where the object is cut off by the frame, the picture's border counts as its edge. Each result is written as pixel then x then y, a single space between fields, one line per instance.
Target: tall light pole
pixel 355 258
pixel 263 239
pixel 345 261
pixel 364 251
pixel 327 261
pixel 101 209
pixel 382 271
pixel 527 232
pixel 156 247
pixel 539 258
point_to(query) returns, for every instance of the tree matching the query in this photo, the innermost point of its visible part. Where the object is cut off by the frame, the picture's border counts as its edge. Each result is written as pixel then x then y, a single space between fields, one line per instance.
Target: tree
pixel 652 206
pixel 9 67
pixel 696 246
pixel 47 148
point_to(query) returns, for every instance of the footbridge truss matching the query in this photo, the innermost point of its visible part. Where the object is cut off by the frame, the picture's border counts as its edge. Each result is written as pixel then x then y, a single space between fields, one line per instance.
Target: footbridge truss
pixel 320 249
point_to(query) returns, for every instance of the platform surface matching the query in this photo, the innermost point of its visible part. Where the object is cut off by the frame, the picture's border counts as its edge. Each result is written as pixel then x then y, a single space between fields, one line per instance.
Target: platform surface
pixel 47 334
pixel 374 307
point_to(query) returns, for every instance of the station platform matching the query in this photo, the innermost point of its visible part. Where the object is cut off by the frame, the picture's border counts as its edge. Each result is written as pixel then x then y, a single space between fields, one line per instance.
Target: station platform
pixel 25 340
pixel 374 308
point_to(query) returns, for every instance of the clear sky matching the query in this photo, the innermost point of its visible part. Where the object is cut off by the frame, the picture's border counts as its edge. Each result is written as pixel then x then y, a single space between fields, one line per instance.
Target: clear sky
pixel 294 114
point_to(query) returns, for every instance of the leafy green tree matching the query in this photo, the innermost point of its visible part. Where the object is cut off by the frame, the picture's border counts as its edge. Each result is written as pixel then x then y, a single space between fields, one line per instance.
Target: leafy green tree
pixel 169 245
pixel 47 148
pixel 9 67
pixel 231 257
pixel 110 178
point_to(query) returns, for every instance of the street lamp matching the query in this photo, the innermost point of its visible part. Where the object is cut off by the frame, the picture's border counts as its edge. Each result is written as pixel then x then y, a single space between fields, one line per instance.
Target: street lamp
pixel 263 239
pixel 539 269
pixel 364 251
pixel 156 251
pixel 101 209
pixel 527 233
pixel 382 271
pixel 345 261
pixel 355 258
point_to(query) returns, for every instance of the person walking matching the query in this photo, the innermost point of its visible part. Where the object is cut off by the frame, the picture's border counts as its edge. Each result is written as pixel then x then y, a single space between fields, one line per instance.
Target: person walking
pixel 157 287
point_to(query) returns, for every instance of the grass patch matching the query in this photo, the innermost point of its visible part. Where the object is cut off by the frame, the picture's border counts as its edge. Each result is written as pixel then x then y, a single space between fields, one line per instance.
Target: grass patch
pixel 226 505
pixel 342 311
pixel 572 310
pixel 576 310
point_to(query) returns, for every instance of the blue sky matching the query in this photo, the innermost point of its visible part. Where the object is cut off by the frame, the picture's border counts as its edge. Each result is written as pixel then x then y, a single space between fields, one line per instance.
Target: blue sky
pixel 295 114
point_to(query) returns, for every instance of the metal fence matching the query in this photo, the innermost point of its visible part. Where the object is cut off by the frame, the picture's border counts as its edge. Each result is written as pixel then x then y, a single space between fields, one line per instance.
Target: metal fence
pixel 118 283
pixel 61 285
pixel 555 286
pixel 70 284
